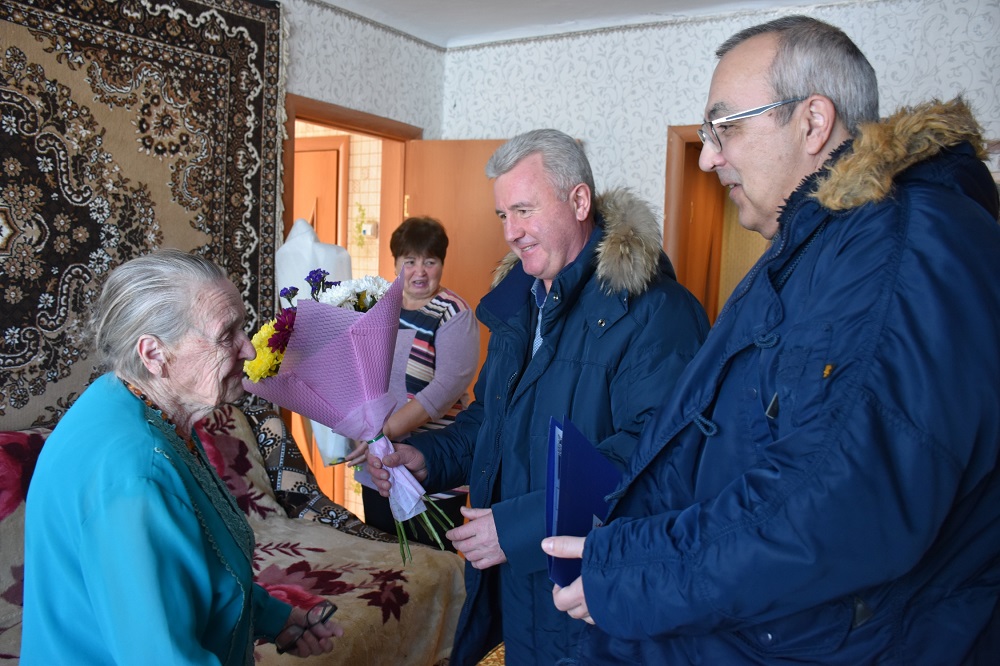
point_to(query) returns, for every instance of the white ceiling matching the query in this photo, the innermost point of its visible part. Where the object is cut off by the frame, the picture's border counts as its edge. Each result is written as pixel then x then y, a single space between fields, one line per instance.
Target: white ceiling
pixel 454 23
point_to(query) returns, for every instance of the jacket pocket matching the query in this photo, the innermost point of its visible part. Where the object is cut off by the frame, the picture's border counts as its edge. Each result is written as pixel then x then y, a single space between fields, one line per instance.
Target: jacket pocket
pixel 804 371
pixel 810 633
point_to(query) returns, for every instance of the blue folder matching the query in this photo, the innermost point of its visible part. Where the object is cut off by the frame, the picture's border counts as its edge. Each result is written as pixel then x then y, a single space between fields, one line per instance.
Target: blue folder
pixel 579 478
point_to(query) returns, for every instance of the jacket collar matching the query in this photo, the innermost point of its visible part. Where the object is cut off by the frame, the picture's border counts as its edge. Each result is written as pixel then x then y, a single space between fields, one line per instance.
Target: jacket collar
pixel 863 170
pixel 883 150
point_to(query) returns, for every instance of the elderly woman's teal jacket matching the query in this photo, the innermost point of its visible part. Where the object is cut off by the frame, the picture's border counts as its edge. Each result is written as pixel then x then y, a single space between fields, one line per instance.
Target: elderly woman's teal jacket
pixel 128 560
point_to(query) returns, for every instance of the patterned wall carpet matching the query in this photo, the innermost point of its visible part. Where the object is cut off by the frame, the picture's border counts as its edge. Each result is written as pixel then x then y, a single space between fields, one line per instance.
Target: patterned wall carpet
pixel 125 126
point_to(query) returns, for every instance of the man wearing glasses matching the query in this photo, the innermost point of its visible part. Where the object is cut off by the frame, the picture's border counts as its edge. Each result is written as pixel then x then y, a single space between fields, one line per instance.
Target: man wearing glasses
pixel 823 485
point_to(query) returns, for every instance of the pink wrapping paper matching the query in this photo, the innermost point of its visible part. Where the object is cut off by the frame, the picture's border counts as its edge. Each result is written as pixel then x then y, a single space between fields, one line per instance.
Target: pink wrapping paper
pixel 347 370
pixel 406 494
pixel 338 366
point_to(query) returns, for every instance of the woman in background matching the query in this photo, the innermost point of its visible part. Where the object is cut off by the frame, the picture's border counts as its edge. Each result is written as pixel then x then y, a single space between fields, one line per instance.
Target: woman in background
pixel 443 360
pixel 135 552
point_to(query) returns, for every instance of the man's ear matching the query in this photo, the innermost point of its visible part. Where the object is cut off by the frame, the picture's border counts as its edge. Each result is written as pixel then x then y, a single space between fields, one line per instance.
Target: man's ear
pixel 580 197
pixel 820 121
pixel 152 353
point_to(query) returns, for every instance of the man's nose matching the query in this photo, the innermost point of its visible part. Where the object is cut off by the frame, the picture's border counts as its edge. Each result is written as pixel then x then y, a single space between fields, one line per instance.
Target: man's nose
pixel 709 158
pixel 511 230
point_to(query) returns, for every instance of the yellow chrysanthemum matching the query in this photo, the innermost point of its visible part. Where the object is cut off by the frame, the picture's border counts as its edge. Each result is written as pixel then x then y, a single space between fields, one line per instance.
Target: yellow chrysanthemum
pixel 267 362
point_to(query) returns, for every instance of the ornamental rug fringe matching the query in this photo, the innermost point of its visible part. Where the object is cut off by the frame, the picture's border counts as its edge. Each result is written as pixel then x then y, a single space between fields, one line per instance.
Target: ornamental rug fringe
pixel 126 126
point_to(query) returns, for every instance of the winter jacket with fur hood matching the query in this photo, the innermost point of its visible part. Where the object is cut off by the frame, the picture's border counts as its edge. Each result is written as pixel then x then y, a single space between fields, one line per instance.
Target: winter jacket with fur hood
pixel 617 330
pixel 823 486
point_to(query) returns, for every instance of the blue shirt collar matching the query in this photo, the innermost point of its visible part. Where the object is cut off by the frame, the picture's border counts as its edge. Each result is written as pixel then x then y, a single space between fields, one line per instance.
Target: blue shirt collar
pixel 538 290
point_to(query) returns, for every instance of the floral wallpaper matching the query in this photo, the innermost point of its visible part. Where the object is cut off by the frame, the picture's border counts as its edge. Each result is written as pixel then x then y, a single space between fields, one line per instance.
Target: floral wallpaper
pixel 338 57
pixel 618 89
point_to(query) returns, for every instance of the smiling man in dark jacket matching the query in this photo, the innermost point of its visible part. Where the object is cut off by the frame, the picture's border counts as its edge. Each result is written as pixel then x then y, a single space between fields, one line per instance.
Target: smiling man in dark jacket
pixel 822 486
pixel 586 321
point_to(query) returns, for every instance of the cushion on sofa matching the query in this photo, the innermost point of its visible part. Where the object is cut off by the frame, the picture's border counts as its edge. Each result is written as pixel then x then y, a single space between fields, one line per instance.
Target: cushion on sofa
pixel 18 453
pixel 295 485
pixel 392 614
pixel 229 442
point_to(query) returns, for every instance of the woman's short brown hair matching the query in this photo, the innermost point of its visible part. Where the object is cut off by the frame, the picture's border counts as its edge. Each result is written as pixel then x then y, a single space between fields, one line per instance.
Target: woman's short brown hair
pixel 420 236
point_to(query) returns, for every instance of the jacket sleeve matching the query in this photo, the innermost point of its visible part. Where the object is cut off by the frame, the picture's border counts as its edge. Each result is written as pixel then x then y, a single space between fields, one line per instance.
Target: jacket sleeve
pixel 867 461
pixel 662 345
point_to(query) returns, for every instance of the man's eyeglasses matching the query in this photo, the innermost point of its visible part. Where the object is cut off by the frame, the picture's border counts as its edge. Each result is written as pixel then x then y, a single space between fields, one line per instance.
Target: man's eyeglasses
pixel 318 614
pixel 709 135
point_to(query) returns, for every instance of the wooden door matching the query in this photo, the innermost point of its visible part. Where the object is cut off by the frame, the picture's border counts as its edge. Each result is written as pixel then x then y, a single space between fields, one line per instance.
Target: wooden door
pixel 710 251
pixel 446 180
pixel 692 230
pixel 320 185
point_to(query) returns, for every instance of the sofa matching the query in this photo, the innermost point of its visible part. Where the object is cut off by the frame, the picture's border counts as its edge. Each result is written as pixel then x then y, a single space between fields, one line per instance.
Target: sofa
pixel 308 548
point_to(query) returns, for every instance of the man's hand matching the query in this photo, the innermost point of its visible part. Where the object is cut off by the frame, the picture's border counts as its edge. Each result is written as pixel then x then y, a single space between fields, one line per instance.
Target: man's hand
pixel 569 599
pixel 405 455
pixel 477 539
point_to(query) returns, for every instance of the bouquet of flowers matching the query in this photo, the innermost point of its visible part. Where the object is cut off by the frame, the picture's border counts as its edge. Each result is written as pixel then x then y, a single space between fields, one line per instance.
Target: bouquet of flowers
pixel 331 359
pixel 272 339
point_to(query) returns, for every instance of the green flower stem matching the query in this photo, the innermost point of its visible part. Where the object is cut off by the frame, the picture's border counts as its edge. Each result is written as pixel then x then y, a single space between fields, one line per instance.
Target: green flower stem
pixel 404 544
pixel 433 515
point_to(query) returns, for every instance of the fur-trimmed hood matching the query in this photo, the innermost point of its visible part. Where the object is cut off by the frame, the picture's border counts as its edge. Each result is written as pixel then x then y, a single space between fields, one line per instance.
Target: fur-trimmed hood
pixel 628 255
pixel 884 149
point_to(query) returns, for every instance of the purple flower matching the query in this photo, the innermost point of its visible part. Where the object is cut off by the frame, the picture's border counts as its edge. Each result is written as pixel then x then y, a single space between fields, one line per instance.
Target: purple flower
pixel 317 281
pixel 289 294
pixel 283 325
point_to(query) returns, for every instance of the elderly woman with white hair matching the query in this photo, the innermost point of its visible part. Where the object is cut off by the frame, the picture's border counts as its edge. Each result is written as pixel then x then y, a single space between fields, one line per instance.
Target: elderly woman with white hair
pixel 135 552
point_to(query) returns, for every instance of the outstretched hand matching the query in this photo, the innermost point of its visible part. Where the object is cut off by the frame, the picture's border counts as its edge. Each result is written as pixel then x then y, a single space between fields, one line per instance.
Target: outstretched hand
pixel 405 455
pixel 569 599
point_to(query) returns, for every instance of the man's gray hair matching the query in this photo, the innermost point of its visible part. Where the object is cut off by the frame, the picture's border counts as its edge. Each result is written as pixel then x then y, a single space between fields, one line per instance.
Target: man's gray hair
pixel 149 295
pixel 562 157
pixel 816 58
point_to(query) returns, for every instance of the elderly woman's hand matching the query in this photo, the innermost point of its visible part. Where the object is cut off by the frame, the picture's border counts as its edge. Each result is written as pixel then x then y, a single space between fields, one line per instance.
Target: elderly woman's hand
pixel 309 632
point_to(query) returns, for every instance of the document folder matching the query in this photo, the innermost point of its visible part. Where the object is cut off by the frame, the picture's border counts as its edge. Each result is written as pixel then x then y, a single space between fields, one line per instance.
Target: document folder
pixel 579 478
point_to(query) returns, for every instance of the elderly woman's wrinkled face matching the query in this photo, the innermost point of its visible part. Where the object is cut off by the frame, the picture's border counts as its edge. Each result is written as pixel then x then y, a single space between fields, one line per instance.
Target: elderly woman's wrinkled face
pixel 205 369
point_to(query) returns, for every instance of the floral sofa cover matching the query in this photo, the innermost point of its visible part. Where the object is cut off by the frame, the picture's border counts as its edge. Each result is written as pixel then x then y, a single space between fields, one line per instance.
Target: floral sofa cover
pixel 308 548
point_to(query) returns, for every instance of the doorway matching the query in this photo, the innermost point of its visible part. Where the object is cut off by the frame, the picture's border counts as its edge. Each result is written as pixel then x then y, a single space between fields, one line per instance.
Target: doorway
pixel 320 189
pixel 343 173
pixel 709 249
pixel 394 174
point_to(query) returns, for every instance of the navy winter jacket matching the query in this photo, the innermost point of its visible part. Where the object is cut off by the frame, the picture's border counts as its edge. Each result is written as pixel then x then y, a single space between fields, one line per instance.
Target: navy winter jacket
pixel 617 331
pixel 823 488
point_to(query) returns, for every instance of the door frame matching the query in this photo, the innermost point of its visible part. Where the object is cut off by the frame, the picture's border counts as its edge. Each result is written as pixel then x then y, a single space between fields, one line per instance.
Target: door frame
pixel 693 209
pixel 332 480
pixel 332 115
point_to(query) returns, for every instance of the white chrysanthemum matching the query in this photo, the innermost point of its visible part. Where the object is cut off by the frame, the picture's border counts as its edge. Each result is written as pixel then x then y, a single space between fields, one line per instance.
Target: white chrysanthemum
pixel 358 294
pixel 341 295
pixel 375 285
